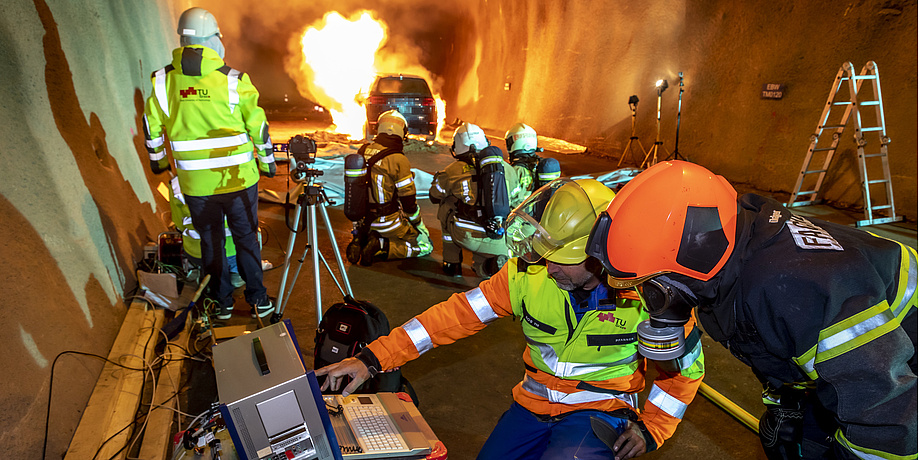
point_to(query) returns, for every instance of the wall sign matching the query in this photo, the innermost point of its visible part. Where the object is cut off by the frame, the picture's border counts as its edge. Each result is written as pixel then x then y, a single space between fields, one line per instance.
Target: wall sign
pixel 772 91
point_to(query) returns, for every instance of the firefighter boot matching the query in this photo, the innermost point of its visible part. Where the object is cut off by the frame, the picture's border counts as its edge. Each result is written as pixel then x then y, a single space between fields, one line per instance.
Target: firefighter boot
pixel 353 251
pixel 376 250
pixel 452 269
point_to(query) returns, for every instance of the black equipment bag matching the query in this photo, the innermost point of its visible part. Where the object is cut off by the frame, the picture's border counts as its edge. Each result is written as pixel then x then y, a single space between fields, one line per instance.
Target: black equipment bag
pixel 346 328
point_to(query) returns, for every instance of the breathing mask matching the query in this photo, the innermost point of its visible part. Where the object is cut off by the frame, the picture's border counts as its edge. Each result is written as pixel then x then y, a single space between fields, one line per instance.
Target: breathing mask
pixel 669 304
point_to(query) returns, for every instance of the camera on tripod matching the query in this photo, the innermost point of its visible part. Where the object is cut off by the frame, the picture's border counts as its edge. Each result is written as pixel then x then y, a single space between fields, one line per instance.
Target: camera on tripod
pixel 302 152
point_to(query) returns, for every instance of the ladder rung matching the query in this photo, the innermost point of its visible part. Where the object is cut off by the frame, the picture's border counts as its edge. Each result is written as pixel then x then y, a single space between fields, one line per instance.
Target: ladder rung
pixel 872 129
pixel 863 77
pixel 842 103
pixel 873 155
pixel 832 126
pixel 815 171
pixel 807 193
pixel 878 181
pixel 869 103
pixel 876 208
pixel 824 149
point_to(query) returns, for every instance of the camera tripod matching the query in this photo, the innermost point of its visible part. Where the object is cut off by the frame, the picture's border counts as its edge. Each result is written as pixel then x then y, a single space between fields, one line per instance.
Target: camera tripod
pixel 313 196
pixel 633 105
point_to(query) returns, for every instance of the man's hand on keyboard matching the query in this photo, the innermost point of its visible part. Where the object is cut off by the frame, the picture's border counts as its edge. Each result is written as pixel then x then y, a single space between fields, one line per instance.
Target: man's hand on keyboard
pixel 335 373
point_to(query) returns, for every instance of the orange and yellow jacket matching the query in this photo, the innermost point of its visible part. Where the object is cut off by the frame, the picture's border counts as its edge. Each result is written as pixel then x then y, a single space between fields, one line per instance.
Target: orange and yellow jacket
pixel 570 364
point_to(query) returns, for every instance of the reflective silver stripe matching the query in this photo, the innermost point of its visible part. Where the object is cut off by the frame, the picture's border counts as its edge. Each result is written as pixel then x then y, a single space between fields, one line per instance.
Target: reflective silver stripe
pixel 911 287
pixel 809 367
pixel 355 172
pixel 468 225
pixel 187 221
pixel 191 233
pixel 447 237
pixel 157 156
pixel 859 453
pixel 404 182
pixel 385 226
pixel 578 397
pixel 159 89
pixel 438 186
pixel 418 335
pixel 548 176
pixel 233 80
pixel 211 163
pixel 177 192
pixel 465 186
pixel 266 158
pixel 687 360
pixel 667 403
pixel 481 306
pixel 213 143
pixel 267 146
pixel 854 331
pixel 380 196
pixel 489 160
pixel 154 143
pixel 569 369
pixel 416 213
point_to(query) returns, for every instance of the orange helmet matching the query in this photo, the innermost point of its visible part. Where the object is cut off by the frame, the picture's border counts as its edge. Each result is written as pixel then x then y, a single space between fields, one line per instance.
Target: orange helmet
pixel 674 217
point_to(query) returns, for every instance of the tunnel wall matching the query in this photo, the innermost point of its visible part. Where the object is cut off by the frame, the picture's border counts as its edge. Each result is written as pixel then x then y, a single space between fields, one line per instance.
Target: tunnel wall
pixel 77 204
pixel 570 68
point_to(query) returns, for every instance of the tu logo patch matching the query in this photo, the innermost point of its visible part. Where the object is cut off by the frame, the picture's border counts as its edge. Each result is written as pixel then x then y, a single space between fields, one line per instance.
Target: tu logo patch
pixel 613 319
pixel 192 91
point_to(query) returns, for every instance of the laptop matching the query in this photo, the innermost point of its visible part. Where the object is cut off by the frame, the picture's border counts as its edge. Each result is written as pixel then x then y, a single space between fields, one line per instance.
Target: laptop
pixel 381 425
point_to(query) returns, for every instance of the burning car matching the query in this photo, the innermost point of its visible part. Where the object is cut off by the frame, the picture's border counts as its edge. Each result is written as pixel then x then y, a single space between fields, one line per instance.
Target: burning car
pixel 410 95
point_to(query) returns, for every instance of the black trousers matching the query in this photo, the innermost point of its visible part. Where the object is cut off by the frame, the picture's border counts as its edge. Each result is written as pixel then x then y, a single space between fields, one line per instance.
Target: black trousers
pixel 241 211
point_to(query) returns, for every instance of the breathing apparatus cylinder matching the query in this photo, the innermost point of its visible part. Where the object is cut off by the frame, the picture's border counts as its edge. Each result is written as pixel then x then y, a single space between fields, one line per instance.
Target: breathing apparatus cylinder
pixel 548 170
pixel 669 304
pixel 356 193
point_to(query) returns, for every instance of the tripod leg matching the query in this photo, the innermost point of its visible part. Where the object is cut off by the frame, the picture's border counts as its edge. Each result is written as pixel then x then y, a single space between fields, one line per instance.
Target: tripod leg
pixel 311 217
pixel 335 251
pixel 624 152
pixel 287 260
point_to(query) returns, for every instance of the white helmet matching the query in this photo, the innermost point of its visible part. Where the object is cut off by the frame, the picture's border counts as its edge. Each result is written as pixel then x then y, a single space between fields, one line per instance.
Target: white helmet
pixel 392 122
pixel 521 137
pixel 468 137
pixel 198 23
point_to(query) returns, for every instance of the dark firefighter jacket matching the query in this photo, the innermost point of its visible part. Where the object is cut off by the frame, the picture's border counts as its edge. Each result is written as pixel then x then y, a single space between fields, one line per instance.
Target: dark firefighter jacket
pixel 814 303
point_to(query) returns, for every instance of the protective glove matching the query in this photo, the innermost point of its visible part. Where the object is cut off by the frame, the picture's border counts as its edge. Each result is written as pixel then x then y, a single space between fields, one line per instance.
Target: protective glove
pixel 157 169
pixel 781 433
pixel 267 169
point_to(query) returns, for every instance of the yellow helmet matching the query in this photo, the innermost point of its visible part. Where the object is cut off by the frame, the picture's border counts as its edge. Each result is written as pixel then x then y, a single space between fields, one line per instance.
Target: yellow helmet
pixel 556 220
pixel 392 122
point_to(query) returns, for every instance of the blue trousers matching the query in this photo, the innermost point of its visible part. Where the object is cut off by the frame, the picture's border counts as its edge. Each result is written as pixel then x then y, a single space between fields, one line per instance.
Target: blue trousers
pixel 241 211
pixel 519 434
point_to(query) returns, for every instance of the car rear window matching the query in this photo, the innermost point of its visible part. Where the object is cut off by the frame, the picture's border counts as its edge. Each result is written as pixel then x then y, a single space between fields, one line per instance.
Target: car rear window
pixel 404 86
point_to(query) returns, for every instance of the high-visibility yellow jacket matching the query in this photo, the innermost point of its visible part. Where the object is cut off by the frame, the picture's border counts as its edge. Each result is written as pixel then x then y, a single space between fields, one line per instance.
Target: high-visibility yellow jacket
pixel 569 364
pixel 182 218
pixel 210 114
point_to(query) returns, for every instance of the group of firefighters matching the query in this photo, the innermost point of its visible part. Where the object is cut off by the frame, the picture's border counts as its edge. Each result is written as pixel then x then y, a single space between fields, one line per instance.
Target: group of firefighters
pixel 604 285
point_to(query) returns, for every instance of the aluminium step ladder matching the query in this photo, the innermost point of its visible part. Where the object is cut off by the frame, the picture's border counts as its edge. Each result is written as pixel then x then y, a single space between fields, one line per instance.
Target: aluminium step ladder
pixel 847 76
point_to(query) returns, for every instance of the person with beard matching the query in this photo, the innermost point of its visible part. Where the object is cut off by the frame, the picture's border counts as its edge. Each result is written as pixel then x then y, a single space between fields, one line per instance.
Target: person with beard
pixel 583 370
pixel 824 314
pixel 394 221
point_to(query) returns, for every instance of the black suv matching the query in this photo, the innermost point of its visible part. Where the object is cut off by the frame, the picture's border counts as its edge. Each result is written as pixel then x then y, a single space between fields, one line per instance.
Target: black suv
pixel 410 95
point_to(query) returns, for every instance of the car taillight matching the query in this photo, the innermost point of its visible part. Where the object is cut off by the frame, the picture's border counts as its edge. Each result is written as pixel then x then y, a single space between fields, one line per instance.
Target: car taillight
pixel 376 100
pixel 427 101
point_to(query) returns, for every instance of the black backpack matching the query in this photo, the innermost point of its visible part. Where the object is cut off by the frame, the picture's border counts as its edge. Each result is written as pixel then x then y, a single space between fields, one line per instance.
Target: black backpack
pixel 345 329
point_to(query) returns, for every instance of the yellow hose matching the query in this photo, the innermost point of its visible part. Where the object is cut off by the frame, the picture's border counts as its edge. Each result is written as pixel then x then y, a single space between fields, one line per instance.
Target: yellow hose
pixel 733 409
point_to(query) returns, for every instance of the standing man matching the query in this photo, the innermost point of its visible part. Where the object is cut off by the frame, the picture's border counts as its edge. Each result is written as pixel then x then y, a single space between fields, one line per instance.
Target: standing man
pixel 825 314
pixel 394 221
pixel 210 113
pixel 463 203
pixel 582 367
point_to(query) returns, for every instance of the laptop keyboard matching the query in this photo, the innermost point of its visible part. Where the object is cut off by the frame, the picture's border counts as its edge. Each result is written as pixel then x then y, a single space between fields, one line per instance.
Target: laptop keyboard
pixel 373 428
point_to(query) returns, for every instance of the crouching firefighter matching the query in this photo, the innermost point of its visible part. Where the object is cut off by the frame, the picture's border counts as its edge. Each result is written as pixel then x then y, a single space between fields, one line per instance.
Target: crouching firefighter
pixel 583 365
pixel 472 195
pixel 533 171
pixel 824 314
pixel 380 198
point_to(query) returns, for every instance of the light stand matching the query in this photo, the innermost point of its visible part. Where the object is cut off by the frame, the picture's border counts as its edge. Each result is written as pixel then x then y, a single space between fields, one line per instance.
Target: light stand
pixel 661 85
pixel 676 155
pixel 313 196
pixel 633 105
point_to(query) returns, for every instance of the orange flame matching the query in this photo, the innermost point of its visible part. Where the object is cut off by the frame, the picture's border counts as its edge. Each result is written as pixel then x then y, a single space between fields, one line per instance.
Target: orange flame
pixel 340 59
